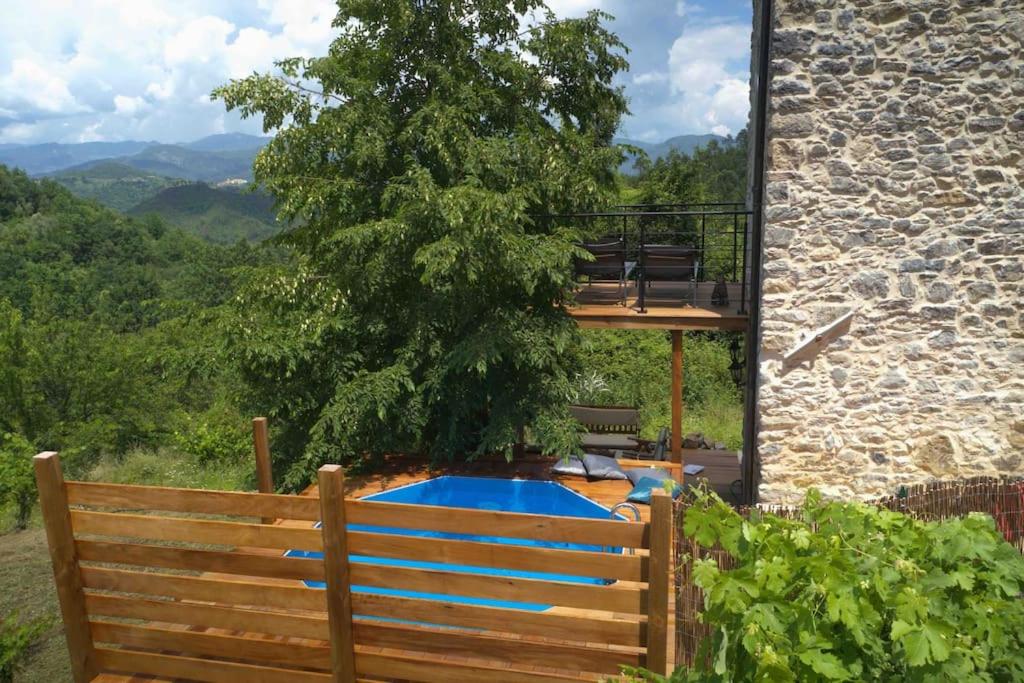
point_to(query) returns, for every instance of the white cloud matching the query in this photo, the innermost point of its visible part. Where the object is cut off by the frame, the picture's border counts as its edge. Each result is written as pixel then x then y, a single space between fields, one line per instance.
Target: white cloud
pixel 29 84
pixel 698 59
pixel 650 77
pixel 114 69
pixel 573 8
pixel 129 106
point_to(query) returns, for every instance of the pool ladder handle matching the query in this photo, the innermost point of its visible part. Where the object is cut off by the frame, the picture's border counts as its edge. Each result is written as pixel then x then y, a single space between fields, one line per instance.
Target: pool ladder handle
pixel 636 517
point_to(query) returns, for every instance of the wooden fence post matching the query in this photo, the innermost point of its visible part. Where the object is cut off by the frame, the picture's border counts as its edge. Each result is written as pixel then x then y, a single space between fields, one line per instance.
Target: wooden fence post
pixel 53 503
pixel 659 582
pixel 339 593
pixel 261 446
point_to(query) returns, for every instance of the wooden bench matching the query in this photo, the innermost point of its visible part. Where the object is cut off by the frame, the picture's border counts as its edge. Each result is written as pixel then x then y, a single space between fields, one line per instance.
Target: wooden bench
pixel 165 584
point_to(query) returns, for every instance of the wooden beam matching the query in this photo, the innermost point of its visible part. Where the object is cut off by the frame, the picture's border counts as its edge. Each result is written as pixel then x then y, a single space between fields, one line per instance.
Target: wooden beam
pixel 339 593
pixel 813 343
pixel 60 538
pixel 659 585
pixel 261 446
pixel 677 395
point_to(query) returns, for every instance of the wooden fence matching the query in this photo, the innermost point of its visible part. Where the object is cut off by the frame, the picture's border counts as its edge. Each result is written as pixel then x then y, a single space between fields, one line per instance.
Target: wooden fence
pixel 1003 499
pixel 179 583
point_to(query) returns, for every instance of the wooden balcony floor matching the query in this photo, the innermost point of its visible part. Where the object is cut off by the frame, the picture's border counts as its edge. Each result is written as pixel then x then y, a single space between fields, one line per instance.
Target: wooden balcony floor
pixel 669 307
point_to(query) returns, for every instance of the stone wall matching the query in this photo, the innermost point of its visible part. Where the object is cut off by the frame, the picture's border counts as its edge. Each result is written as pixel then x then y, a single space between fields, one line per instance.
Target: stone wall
pixel 894 172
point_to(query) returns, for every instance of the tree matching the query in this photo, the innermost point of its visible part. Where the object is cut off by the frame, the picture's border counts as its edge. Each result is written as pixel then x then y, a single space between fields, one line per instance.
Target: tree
pixel 414 158
pixel 17 483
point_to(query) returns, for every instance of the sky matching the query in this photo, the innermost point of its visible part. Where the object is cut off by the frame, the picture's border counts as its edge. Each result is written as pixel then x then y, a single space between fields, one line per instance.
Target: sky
pixel 108 70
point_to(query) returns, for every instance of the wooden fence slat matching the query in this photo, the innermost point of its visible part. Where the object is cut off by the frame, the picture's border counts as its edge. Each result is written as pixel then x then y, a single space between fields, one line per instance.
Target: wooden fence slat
pixel 312 626
pixel 233 503
pixel 580 530
pixel 392 667
pixel 339 590
pixel 212 532
pixel 507 651
pixel 659 587
pixel 53 503
pixel 190 643
pixel 505 556
pixel 615 597
pixel 234 592
pixel 200 669
pixel 473 553
pixel 240 563
pixel 569 627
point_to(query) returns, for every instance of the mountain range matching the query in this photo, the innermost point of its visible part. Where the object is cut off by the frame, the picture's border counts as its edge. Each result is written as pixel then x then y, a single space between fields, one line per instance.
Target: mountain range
pixel 195 185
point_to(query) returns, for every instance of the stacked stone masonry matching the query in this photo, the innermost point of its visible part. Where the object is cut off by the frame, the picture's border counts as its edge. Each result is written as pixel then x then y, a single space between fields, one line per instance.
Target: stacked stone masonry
pixel 895 166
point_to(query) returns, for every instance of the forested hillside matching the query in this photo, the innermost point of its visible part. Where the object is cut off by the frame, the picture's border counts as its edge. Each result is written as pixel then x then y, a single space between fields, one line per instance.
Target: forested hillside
pixel 114 184
pixel 110 328
pixel 223 215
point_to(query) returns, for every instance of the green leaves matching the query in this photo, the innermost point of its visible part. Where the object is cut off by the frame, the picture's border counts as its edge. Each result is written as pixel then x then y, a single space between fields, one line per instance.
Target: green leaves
pixel 846 592
pixel 416 157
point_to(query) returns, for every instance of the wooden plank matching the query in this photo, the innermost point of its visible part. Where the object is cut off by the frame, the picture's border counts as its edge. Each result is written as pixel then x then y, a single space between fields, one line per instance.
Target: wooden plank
pixel 195 530
pixel 234 592
pixel 602 532
pixel 339 589
pixel 814 342
pixel 261 449
pixel 200 669
pixel 507 651
pixel 392 667
pixel 261 651
pixel 246 564
pixel 475 554
pixel 53 503
pixel 677 395
pixel 311 626
pixel 660 582
pixel 582 627
pixel 613 597
pixel 235 503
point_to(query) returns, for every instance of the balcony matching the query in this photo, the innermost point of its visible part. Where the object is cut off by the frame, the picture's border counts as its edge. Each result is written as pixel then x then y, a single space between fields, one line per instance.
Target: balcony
pixel 664 266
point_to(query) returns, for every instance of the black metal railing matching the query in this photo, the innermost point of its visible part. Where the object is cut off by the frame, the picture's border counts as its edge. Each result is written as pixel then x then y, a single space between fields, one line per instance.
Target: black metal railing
pixel 715 233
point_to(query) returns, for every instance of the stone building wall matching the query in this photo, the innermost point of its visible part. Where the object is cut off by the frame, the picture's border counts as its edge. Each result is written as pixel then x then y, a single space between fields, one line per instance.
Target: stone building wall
pixel 893 187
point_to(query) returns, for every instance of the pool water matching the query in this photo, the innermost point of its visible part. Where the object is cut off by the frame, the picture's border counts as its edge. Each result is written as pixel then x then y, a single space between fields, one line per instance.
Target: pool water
pixel 505 495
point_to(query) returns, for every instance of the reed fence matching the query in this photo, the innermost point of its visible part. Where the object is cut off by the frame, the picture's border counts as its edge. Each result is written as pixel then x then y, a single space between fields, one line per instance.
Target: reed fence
pixel 1003 499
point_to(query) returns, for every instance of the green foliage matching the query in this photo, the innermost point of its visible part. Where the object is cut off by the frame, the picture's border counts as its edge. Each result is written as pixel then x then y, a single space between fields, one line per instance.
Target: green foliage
pixel 850 592
pixel 438 131
pixel 114 184
pixel 221 215
pixel 712 173
pixel 632 367
pixel 215 437
pixel 16 639
pixel 17 481
pixel 166 466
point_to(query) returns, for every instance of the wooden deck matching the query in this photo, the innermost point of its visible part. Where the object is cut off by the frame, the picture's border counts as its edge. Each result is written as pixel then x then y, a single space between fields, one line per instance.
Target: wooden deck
pixel 668 307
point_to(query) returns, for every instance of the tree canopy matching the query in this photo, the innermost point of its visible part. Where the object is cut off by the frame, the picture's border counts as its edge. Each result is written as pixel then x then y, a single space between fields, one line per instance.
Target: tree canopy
pixel 415 157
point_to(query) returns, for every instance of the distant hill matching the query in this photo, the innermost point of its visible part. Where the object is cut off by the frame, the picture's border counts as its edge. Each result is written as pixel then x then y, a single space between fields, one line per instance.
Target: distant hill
pixel 227 142
pixel 114 184
pixel 685 144
pixel 217 214
pixel 52 156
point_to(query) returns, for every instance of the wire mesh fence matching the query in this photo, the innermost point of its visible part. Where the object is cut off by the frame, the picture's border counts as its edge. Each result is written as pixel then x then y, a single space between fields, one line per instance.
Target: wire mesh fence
pixel 1002 499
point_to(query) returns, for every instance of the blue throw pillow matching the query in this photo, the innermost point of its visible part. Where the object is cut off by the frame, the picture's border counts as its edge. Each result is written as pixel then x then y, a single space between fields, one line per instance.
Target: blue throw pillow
pixel 571 466
pixel 641 493
pixel 602 467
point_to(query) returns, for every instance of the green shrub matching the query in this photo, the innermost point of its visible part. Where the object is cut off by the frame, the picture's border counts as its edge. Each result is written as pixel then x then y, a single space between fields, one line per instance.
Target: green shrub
pixel 16 639
pixel 214 437
pixel 850 592
pixel 17 482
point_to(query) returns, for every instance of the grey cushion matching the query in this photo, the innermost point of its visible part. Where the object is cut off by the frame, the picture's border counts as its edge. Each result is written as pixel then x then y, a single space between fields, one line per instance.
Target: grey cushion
pixel 602 467
pixel 571 466
pixel 609 441
pixel 635 475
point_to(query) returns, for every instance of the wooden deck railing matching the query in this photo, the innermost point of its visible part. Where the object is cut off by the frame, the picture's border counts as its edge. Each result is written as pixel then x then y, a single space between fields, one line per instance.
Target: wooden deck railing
pixel 155 581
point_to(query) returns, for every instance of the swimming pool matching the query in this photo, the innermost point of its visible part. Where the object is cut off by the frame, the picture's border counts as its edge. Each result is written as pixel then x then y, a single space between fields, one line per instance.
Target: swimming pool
pixel 505 495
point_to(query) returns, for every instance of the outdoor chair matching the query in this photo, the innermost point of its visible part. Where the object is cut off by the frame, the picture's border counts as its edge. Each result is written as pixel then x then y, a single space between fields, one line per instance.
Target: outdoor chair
pixel 609 264
pixel 657 449
pixel 609 428
pixel 669 263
